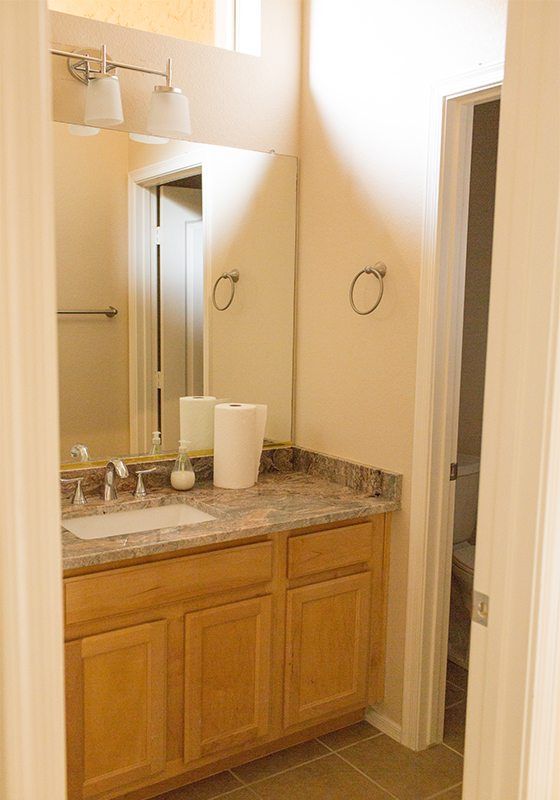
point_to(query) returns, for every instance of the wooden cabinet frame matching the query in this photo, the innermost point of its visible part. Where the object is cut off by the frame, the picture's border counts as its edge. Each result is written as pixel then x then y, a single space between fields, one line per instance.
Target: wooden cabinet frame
pixel 260 590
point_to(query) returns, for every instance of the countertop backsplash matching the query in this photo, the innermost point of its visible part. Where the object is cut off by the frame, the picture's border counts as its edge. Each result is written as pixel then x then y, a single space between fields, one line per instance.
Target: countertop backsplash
pixel 367 480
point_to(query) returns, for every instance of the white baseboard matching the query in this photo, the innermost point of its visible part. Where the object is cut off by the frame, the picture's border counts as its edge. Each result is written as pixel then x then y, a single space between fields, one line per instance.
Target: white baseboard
pixel 385 724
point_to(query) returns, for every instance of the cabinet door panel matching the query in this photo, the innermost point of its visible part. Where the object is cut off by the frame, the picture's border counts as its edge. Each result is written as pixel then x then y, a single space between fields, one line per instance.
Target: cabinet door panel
pixel 116 708
pixel 327 647
pixel 227 677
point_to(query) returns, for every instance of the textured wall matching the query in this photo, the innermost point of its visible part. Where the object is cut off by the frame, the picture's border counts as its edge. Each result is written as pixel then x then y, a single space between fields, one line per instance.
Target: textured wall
pixel 185 19
pixel 477 283
pixel 236 99
pixel 368 74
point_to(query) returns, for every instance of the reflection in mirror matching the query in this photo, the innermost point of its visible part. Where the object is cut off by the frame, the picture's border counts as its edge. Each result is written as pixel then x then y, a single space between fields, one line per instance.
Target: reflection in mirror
pixel 231 24
pixel 167 234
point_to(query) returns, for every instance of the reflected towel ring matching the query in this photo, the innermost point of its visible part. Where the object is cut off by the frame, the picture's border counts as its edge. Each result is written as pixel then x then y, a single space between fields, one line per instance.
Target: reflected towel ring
pixel 379 270
pixel 232 277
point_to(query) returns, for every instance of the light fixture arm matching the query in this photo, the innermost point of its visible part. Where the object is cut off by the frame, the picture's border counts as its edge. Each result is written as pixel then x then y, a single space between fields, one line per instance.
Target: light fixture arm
pixel 79 65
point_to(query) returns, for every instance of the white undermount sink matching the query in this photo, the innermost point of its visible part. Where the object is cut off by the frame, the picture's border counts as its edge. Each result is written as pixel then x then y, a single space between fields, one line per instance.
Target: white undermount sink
pixel 119 523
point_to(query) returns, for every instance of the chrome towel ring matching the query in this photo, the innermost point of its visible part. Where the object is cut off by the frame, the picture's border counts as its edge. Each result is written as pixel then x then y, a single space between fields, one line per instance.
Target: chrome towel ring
pixel 379 270
pixel 232 277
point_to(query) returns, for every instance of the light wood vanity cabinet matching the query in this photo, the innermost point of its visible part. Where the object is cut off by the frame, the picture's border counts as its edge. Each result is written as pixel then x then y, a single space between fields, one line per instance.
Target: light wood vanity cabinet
pixel 227 677
pixel 116 708
pixel 327 648
pixel 183 666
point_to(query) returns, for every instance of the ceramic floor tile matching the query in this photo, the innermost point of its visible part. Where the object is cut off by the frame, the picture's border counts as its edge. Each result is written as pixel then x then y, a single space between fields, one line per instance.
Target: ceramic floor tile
pixel 457 675
pixel 404 773
pixel 454 727
pixel 277 762
pixel 240 794
pixel 207 789
pixel 327 778
pixel 351 735
pixel 453 695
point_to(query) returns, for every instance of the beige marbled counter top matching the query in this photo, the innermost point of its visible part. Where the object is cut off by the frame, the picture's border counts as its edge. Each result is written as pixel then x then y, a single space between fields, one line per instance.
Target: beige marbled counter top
pixel 278 502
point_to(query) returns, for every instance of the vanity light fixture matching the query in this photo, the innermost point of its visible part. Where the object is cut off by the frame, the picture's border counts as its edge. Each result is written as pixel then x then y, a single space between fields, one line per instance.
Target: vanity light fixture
pixel 169 108
pixel 169 112
pixel 103 101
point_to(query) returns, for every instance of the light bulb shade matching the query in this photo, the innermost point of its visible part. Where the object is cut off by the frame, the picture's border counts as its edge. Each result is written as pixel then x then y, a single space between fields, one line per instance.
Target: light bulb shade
pixel 103 101
pixel 169 112
pixel 82 130
pixel 143 138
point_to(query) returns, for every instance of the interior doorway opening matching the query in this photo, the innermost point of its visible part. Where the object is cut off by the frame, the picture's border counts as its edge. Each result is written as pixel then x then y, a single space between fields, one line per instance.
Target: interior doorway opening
pixel 438 394
pixel 179 311
pixel 466 470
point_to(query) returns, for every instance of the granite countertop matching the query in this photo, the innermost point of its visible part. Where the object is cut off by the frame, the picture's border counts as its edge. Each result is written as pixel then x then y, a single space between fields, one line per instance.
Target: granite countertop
pixel 278 502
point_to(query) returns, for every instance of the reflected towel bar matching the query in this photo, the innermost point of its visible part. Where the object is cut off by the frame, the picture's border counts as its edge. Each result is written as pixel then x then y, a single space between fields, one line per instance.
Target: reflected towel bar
pixel 107 312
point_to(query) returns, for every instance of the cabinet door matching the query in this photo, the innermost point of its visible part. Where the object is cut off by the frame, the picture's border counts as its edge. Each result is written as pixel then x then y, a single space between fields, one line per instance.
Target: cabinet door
pixel 227 677
pixel 115 690
pixel 327 646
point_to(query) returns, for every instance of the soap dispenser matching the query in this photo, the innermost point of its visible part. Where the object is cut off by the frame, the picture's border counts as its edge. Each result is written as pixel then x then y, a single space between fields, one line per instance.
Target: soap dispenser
pixel 156 443
pixel 182 475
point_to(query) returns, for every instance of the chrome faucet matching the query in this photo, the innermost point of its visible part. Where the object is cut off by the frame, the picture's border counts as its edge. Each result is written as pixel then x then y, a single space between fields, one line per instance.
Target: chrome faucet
pixel 115 466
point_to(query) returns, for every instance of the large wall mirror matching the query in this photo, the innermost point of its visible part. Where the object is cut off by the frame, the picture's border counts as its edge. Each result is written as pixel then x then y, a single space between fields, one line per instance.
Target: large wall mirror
pixel 153 240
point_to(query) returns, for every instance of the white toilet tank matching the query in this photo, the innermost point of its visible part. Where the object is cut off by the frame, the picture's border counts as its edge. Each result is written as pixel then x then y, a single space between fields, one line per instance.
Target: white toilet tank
pixel 466 497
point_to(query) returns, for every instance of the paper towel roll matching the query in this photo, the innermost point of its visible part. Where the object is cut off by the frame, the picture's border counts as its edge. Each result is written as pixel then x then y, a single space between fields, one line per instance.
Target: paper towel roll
pixel 237 428
pixel 196 415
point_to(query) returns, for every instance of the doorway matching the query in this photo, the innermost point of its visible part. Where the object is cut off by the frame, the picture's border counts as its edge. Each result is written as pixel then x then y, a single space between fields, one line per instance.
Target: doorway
pixel 179 311
pixel 438 394
pixel 466 467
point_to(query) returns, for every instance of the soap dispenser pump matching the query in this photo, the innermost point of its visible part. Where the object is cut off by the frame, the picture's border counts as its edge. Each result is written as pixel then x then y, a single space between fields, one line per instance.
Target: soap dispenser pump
pixel 182 475
pixel 156 443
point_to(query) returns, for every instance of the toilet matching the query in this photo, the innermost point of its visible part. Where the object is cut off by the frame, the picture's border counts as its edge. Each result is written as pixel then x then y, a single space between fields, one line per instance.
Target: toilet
pixel 464 537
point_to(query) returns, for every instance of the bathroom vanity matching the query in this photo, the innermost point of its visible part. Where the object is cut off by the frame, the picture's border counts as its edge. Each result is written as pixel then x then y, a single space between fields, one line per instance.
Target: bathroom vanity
pixel 192 650
pixel 252 619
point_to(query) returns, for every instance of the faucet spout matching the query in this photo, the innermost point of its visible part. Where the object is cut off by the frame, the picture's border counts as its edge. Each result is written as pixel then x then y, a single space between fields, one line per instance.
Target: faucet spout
pixel 115 467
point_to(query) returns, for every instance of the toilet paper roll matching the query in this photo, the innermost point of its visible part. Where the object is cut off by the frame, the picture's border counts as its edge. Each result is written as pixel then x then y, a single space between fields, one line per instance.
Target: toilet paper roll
pixel 235 445
pixel 196 415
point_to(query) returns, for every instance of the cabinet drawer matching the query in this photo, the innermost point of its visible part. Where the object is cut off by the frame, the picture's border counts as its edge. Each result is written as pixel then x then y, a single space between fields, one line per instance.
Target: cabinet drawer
pixel 319 552
pixel 135 588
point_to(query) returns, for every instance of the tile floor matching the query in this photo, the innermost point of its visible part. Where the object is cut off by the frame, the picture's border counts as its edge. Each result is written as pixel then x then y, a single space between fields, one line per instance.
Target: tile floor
pixel 356 763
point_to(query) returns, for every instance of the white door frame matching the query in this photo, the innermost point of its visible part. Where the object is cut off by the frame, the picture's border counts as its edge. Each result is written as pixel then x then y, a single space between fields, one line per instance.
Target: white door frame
pixel 141 259
pixel 512 745
pixel 32 746
pixel 437 400
pixel 513 715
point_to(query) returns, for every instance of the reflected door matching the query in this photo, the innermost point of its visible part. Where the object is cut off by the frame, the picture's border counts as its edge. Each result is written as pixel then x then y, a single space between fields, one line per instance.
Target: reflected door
pixel 180 304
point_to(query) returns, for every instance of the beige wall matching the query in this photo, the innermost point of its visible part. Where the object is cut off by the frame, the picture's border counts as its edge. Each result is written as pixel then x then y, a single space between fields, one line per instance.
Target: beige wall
pixel 368 72
pixel 91 216
pixel 186 19
pixel 236 99
pixel 477 282
pixel 252 210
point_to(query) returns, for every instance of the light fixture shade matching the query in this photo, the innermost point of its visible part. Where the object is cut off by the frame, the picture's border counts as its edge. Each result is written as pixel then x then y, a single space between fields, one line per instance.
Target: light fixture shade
pixel 169 112
pixel 82 130
pixel 143 138
pixel 103 101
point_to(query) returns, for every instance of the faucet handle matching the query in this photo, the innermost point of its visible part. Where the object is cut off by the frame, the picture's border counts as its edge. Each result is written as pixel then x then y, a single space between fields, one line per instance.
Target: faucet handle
pixel 78 498
pixel 140 490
